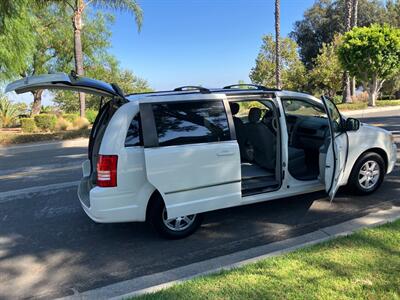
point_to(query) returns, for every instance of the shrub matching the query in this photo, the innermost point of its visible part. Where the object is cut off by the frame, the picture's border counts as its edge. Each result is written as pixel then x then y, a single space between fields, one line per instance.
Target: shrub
pixel 45 121
pixel 70 117
pixel 81 123
pixel 62 124
pixel 360 98
pixel 337 99
pixel 8 112
pixel 91 115
pixel 28 124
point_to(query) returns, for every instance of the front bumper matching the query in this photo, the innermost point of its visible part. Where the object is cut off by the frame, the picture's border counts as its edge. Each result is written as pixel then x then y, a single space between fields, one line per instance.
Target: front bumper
pixel 392 158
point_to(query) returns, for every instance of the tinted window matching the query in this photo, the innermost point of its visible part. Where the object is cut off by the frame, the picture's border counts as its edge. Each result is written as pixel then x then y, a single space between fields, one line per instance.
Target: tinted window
pixel 191 122
pixel 134 135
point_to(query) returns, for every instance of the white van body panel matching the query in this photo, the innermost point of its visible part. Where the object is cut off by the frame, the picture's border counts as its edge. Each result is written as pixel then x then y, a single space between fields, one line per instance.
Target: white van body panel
pixel 128 201
pixel 363 140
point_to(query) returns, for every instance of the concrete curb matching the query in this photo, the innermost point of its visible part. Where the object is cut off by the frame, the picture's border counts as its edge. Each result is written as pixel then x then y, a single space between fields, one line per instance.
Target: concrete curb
pixel 155 282
pixel 79 142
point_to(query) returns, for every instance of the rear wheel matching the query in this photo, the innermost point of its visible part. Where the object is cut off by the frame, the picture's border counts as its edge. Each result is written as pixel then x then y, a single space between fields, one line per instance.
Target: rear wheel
pixel 175 228
pixel 367 174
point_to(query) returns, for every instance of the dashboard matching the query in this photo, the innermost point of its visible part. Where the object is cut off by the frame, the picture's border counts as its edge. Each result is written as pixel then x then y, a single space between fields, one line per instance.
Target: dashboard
pixel 307 132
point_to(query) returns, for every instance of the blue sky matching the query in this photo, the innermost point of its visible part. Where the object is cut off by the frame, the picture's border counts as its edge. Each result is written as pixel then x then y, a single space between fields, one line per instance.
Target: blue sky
pixel 195 42
pixel 207 42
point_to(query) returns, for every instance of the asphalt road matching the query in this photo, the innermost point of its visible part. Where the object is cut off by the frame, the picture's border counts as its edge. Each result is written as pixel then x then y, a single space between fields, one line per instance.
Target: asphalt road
pixel 50 248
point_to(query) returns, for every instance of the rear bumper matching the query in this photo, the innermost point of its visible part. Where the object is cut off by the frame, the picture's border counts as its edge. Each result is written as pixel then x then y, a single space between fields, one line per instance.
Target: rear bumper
pixel 108 205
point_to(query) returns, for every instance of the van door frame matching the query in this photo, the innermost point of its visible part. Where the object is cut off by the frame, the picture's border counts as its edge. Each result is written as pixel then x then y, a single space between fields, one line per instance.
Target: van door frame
pixel 272 97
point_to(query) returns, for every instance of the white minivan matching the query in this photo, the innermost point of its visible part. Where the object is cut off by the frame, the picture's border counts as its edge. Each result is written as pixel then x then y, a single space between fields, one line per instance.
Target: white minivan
pixel 167 157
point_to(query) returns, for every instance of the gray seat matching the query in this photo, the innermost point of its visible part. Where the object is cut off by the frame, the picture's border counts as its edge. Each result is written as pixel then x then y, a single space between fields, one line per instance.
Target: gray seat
pixel 239 129
pixel 262 140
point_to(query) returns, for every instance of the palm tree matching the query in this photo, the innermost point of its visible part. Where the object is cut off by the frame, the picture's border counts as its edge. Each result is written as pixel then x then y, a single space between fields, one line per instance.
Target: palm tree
pixel 346 77
pixel 277 44
pixel 354 17
pixel 78 7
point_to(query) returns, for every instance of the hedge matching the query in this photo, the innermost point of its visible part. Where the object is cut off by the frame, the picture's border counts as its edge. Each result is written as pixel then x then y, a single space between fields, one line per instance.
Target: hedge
pixel 45 121
pixel 91 115
pixel 70 117
pixel 28 125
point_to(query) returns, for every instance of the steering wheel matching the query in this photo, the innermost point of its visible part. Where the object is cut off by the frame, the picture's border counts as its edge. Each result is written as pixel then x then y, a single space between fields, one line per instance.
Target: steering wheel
pixel 275 124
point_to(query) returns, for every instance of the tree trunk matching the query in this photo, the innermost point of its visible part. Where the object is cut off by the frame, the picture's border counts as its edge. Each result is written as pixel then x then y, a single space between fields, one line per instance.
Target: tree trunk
pixel 346 76
pixel 353 86
pixel 78 52
pixel 37 102
pixel 277 45
pixel 354 17
pixel 354 13
pixel 373 90
pixel 372 98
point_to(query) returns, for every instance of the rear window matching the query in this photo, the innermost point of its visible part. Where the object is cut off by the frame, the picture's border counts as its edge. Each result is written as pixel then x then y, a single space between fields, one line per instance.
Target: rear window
pixel 191 122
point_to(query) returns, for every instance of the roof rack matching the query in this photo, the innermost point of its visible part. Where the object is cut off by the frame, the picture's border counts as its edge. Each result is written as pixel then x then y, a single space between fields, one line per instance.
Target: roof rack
pixel 255 86
pixel 192 87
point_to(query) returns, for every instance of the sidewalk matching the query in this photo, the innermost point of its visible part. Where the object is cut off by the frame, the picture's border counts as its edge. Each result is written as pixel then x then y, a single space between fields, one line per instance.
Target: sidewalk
pixel 158 281
pixel 29 147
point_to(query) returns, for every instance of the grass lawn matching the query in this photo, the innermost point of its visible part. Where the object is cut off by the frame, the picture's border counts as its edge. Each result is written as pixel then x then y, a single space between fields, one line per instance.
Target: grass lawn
pixel 362 105
pixel 365 265
pixel 9 138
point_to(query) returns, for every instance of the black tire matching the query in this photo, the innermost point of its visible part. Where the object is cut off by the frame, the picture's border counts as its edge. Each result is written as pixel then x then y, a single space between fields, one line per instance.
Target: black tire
pixel 156 211
pixel 354 184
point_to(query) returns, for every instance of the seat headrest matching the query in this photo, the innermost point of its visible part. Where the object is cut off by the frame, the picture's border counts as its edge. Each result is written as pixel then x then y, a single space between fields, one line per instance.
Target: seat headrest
pixel 234 107
pixel 254 115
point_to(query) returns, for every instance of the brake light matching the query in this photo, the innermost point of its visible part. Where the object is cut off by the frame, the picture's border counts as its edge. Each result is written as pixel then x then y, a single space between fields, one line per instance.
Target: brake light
pixel 107 170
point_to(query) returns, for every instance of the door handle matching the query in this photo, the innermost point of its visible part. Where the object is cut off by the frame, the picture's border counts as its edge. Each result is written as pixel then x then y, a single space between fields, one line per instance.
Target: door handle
pixel 225 153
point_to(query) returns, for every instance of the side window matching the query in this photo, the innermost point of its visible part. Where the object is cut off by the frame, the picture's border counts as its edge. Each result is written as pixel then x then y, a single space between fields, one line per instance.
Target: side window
pixel 336 118
pixel 191 122
pixel 302 108
pixel 134 135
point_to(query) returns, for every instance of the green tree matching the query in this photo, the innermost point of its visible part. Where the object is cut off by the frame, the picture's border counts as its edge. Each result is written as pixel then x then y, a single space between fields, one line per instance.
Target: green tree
pixel 325 76
pixel 52 44
pixel 325 18
pixel 372 54
pixel 277 44
pixel 16 38
pixel 294 75
pixel 77 10
pixel 393 12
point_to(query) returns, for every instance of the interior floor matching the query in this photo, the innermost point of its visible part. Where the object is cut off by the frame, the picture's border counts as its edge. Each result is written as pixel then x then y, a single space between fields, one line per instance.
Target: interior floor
pixel 256 179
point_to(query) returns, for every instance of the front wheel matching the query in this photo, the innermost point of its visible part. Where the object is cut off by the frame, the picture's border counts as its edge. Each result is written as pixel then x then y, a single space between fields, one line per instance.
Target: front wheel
pixel 367 174
pixel 175 228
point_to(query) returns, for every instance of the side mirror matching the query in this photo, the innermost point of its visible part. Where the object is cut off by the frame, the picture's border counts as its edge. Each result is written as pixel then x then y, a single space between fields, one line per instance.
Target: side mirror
pixel 352 124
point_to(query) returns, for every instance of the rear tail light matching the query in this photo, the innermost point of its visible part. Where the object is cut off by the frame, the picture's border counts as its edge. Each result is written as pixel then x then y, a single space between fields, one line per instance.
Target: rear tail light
pixel 107 170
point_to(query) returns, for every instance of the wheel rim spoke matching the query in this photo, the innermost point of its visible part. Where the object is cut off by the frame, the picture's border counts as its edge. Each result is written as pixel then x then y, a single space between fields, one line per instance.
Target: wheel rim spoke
pixel 179 223
pixel 369 174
